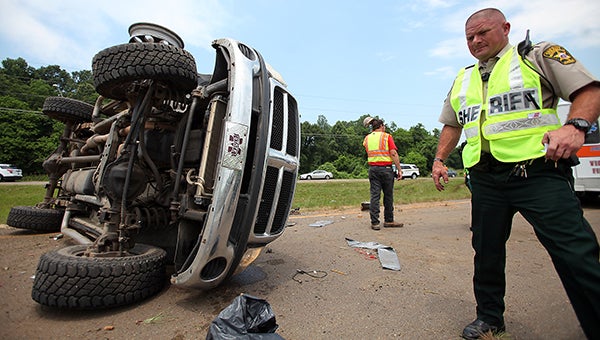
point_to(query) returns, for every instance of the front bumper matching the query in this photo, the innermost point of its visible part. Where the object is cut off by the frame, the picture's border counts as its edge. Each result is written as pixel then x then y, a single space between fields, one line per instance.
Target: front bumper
pixel 255 171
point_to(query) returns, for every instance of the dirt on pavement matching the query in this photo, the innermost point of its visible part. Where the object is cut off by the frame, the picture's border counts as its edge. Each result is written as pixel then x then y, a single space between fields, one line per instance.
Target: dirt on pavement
pixel 429 298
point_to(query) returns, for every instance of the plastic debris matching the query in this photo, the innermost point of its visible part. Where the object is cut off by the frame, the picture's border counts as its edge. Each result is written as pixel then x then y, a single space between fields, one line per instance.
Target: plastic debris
pixel 247 317
pixel 369 254
pixel 320 223
pixel 154 319
pixel 387 255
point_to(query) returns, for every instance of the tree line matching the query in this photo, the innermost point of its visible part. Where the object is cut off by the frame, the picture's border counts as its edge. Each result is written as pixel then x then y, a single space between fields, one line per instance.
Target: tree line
pixel 27 136
pixel 338 148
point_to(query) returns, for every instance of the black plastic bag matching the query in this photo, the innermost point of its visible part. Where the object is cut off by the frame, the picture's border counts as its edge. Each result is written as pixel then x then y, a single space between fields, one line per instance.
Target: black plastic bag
pixel 247 317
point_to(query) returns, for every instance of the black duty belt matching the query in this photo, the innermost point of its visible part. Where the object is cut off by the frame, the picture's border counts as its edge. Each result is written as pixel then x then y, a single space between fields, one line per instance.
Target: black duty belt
pixel 487 163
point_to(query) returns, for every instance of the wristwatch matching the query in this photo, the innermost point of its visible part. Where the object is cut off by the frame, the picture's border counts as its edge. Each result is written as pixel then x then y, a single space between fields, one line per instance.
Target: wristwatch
pixel 580 124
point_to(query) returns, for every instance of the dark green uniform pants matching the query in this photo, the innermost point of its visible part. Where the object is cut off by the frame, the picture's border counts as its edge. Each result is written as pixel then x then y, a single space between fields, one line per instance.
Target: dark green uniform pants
pixel 545 198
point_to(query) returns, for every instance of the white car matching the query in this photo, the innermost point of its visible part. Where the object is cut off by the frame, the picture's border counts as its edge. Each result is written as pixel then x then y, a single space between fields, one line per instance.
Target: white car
pixel 317 174
pixel 10 172
pixel 409 171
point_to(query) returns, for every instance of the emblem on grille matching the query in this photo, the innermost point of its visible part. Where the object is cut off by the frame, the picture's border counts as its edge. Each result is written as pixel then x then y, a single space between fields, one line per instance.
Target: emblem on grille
pixel 236 143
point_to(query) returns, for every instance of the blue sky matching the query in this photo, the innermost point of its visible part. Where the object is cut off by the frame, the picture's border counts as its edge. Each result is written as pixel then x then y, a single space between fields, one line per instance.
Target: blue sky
pixel 340 59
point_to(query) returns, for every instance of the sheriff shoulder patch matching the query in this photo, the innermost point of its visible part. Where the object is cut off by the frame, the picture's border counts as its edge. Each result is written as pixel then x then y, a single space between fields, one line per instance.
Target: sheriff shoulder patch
pixel 559 54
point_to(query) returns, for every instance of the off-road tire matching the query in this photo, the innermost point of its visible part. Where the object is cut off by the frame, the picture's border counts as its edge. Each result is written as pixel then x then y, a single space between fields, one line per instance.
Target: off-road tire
pixel 67 110
pixel 117 67
pixel 33 218
pixel 67 279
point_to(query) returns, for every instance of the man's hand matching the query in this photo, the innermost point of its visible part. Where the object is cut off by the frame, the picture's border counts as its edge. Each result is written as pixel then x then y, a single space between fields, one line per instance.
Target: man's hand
pixel 563 143
pixel 448 139
pixel 439 172
pixel 566 141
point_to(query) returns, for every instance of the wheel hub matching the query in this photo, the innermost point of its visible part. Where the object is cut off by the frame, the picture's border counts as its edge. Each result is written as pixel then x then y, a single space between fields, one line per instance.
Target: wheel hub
pixel 148 32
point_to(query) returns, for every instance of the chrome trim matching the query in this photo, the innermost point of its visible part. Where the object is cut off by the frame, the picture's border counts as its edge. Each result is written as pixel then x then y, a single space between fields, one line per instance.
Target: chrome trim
pixel 218 224
pixel 282 161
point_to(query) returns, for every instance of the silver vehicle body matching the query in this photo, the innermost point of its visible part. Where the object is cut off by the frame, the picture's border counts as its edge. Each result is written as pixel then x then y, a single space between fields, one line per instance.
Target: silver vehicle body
pixel 236 174
pixel 277 172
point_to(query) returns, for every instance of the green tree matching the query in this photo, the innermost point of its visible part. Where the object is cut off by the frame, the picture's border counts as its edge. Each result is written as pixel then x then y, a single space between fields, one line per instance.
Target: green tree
pixel 26 139
pixel 17 68
pixel 58 78
pixel 38 90
pixel 27 136
pixel 8 102
pixel 416 158
pixel 84 86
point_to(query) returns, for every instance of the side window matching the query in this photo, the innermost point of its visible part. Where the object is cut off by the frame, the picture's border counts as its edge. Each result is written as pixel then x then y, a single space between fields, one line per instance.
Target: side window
pixel 593 136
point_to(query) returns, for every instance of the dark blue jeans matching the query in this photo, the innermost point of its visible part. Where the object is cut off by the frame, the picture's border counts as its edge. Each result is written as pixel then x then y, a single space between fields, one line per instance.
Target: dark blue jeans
pixel 381 179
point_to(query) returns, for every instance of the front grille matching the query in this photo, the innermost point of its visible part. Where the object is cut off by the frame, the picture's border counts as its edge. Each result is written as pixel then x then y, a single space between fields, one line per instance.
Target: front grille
pixel 292 137
pixel 284 202
pixel 280 175
pixel 277 124
pixel 266 200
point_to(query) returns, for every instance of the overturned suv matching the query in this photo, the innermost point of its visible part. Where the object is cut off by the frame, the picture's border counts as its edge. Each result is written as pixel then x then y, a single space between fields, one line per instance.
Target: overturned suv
pixel 169 169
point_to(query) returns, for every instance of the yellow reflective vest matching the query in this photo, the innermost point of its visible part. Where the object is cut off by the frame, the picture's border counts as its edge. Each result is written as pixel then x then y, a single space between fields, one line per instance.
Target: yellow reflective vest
pixel 378 150
pixel 514 121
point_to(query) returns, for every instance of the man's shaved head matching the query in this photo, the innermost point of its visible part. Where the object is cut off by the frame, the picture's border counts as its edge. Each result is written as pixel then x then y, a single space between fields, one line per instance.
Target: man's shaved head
pixel 487 33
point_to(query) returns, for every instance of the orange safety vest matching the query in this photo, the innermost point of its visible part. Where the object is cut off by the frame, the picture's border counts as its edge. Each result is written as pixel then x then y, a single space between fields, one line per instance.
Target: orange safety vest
pixel 378 150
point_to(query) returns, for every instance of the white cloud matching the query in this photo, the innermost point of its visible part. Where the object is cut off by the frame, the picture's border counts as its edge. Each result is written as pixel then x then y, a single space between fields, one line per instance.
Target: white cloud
pixel 445 72
pixel 70 32
pixel 385 56
pixel 570 23
pixel 450 48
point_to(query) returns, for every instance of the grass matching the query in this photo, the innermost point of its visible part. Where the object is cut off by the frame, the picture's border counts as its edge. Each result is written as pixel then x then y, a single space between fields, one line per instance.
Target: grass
pixel 340 194
pixel 309 196
pixel 19 194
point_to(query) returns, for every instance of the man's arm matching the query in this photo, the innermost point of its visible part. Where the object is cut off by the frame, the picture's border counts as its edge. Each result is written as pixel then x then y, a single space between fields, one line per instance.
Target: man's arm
pixel 396 159
pixel 448 139
pixel 567 140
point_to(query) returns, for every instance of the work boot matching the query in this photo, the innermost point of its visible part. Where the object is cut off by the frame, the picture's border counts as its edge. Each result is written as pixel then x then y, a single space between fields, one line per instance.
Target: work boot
pixel 375 226
pixel 393 224
pixel 476 329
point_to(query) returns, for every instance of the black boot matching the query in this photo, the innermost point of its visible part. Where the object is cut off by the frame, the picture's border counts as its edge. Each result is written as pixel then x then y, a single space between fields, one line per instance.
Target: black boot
pixel 477 328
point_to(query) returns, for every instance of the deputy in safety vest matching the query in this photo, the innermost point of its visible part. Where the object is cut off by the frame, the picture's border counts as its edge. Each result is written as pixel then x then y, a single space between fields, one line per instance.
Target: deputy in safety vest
pixel 519 156
pixel 381 154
